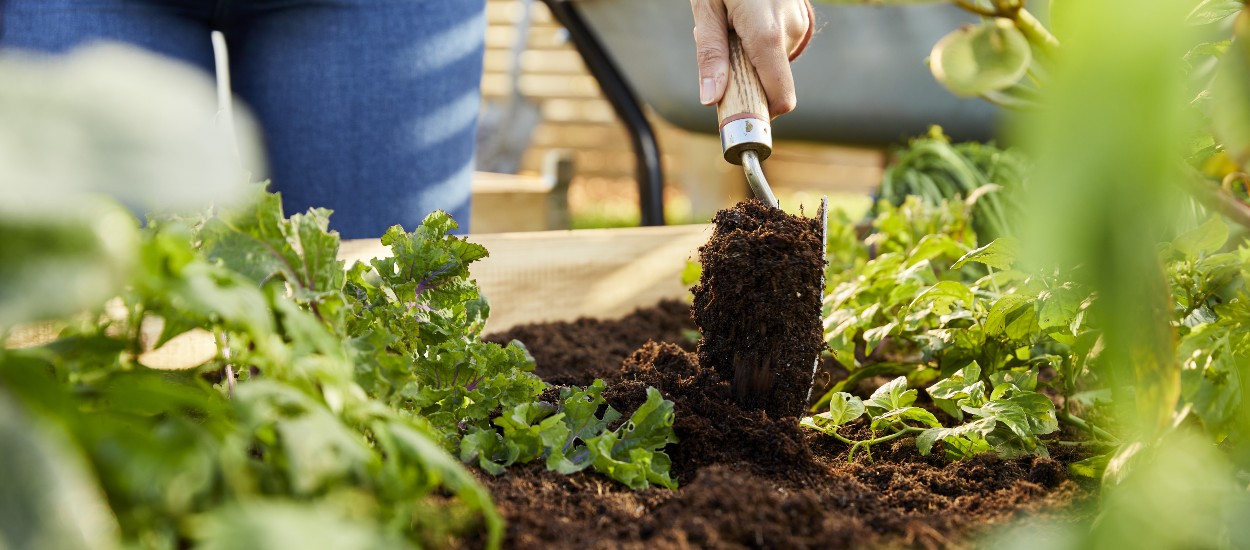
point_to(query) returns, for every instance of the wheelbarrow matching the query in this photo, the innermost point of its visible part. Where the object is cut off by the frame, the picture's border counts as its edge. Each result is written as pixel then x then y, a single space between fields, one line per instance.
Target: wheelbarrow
pixel 863 80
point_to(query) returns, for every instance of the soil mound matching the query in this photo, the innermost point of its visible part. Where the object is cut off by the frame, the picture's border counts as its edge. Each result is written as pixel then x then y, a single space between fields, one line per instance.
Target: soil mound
pixel 571 353
pixel 751 481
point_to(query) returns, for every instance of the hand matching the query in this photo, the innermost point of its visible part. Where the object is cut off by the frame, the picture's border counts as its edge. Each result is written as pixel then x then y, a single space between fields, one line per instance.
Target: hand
pixel 773 32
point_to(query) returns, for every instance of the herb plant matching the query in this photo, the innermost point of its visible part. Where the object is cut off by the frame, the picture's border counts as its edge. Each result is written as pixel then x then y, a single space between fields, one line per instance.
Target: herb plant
pixel 336 397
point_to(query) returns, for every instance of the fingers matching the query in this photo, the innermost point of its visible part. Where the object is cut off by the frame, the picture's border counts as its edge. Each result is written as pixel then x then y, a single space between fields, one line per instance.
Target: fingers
pixel 771 31
pixel 711 37
pixel 765 47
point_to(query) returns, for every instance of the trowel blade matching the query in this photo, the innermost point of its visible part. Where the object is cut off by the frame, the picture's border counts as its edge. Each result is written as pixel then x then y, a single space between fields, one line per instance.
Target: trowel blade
pixel 823 214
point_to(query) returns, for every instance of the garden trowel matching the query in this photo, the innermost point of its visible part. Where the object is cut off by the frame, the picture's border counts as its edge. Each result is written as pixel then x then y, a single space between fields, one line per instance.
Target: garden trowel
pixel 746 139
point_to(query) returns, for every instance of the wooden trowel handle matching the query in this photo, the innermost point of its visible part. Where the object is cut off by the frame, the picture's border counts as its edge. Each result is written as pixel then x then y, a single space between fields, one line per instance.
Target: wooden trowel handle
pixel 743 111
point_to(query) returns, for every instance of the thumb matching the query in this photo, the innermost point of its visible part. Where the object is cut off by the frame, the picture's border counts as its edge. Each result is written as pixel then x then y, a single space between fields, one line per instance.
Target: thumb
pixel 711 37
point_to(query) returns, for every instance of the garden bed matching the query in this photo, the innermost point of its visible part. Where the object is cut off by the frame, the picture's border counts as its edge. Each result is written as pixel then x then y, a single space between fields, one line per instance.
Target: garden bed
pixel 752 482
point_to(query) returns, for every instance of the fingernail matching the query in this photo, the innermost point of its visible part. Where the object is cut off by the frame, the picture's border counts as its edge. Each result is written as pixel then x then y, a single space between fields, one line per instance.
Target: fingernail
pixel 707 90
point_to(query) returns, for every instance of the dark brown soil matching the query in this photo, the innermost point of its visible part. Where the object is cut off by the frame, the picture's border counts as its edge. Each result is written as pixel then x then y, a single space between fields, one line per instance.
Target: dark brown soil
pixel 751 479
pixel 758 305
pixel 570 352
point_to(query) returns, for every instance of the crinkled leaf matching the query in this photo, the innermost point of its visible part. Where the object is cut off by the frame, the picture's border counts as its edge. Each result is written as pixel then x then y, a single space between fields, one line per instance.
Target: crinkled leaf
pixel 262 244
pixel 632 453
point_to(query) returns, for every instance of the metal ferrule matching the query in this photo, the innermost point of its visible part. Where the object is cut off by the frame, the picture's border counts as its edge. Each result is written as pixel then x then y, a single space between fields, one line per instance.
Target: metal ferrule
pixel 746 134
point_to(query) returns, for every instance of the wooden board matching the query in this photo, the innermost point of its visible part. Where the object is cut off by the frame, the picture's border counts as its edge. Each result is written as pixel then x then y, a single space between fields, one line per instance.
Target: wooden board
pixel 563 275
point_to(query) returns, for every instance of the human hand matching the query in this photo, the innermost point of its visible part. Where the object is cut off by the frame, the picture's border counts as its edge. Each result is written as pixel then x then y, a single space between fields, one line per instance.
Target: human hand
pixel 773 32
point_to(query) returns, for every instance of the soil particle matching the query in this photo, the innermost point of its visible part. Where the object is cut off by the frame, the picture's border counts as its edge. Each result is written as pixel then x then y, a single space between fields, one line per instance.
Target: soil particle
pixel 758 305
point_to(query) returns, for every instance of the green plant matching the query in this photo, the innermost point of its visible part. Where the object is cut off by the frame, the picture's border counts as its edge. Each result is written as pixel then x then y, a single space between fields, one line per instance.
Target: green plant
pixel 989 179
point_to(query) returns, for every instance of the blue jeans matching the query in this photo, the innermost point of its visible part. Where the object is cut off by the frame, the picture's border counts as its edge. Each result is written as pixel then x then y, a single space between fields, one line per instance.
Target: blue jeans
pixel 369 107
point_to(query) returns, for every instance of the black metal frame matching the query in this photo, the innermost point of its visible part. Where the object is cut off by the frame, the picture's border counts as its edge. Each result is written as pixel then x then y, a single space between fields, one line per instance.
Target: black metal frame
pixel 642 136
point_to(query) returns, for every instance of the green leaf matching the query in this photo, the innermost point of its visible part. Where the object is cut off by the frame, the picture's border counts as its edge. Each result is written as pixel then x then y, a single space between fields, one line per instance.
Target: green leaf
pixel 1000 254
pixel 272 522
pixel 317 448
pixel 944 296
pixel 891 395
pixel 691 273
pixel 1011 316
pixel 874 336
pixel 1058 307
pixel 956 385
pixel 915 414
pixel 931 247
pixel 1204 239
pixel 965 440
pixel 1026 414
pixel 1026 380
pixel 632 453
pixel 1211 11
pixel 978 59
pixel 1091 468
pixel 49 498
pixel 1230 108
pixel 843 408
pixel 262 244
pixel 57 266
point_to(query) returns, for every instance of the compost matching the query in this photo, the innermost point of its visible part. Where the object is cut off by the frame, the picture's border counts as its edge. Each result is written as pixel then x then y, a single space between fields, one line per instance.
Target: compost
pixel 750 478
pixel 757 305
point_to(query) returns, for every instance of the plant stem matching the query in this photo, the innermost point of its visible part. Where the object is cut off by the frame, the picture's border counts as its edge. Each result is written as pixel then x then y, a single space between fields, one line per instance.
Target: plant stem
pixel 1036 32
pixel 979 10
pixel 1080 443
pixel 850 457
pixel 1081 423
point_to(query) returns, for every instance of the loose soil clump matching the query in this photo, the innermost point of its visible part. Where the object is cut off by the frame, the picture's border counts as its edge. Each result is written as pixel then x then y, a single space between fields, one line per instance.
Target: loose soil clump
pixel 758 305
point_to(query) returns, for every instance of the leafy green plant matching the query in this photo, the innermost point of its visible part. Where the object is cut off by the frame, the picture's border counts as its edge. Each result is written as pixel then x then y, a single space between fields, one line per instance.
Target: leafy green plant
pixel 338 387
pixel 987 178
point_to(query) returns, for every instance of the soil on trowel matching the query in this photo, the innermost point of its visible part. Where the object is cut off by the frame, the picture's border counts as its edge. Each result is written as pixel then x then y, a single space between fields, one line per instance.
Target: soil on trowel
pixel 758 305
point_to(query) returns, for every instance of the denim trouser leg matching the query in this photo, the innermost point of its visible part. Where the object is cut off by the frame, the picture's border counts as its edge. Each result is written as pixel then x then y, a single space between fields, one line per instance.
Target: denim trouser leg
pixel 57 26
pixel 369 107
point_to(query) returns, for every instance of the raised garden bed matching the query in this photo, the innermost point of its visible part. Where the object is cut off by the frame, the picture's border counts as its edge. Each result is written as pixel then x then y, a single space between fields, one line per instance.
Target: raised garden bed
pixel 747 480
